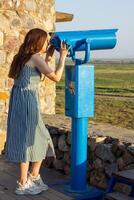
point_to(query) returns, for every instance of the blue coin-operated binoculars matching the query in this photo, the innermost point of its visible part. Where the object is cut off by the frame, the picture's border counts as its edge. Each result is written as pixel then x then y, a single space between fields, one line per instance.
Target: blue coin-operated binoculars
pixel 79 97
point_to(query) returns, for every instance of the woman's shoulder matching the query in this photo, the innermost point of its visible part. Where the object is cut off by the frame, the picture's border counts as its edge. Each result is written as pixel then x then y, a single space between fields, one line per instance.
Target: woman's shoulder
pixel 40 64
pixel 32 62
pixel 35 56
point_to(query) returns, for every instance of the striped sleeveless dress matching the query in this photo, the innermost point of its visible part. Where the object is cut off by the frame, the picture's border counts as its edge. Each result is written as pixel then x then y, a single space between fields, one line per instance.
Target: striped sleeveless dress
pixel 27 137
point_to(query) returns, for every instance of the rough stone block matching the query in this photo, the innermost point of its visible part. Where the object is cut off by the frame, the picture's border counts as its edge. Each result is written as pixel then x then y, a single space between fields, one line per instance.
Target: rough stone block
pixel 2 141
pixel 9 83
pixel 4 96
pixel 1 38
pixel 62 143
pixel 4 23
pixel 2 57
pixel 2 106
pixel 104 152
pixel 30 5
pixel 6 4
pixel 3 72
pixel 11 42
pixel 2 83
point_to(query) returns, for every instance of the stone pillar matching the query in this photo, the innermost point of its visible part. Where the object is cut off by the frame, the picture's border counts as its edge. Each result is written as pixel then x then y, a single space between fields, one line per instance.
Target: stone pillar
pixel 17 17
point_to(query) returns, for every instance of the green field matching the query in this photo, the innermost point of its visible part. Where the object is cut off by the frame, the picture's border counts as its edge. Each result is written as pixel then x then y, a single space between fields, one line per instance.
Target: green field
pixel 115 79
pixel 110 79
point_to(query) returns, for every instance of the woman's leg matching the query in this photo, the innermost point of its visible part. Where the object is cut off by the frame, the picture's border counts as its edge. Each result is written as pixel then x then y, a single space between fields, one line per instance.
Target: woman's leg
pixel 24 166
pixel 35 168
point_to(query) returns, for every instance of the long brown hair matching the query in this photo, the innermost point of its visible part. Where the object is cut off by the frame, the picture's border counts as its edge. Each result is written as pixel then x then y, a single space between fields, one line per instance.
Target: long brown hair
pixel 33 43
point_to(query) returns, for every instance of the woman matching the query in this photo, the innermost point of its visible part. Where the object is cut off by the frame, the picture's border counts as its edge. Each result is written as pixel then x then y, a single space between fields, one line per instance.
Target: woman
pixel 28 140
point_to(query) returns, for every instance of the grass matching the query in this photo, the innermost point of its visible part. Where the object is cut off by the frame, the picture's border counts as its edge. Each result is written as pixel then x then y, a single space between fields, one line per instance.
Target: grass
pixel 119 112
pixel 116 79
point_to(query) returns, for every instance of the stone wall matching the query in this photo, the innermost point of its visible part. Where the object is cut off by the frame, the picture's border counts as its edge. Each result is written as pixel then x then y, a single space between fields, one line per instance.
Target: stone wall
pixel 105 156
pixel 17 17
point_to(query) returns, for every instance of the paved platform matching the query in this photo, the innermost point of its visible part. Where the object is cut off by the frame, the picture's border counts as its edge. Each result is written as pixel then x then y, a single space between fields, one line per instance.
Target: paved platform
pixel 8 177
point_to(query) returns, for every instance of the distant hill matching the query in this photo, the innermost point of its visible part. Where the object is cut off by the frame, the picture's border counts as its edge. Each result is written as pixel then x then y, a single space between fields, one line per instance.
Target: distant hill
pixel 101 61
pixel 120 61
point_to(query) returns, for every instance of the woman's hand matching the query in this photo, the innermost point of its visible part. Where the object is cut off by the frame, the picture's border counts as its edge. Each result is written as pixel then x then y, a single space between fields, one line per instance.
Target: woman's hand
pixel 63 50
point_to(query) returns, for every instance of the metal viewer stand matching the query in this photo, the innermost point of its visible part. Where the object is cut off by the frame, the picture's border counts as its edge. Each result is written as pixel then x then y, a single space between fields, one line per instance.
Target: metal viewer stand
pixel 79 100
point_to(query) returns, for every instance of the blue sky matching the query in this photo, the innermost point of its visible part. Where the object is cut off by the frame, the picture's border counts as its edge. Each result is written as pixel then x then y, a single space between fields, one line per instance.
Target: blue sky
pixel 102 14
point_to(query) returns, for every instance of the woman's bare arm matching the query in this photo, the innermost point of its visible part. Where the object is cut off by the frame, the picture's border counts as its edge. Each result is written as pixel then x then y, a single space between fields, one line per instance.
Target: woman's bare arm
pixel 49 53
pixel 43 67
